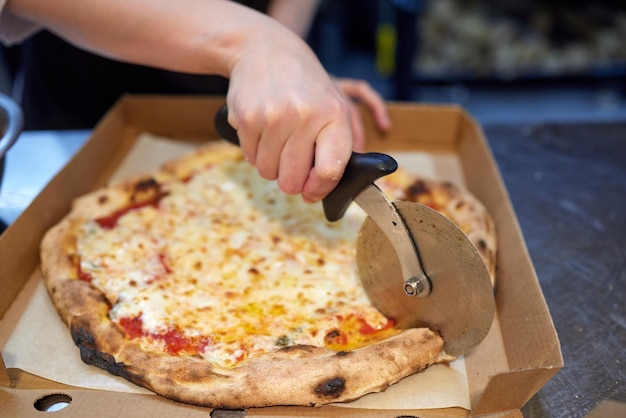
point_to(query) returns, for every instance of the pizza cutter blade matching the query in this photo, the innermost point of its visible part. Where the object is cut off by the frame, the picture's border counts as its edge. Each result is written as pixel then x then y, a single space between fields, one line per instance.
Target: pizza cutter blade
pixel 417 267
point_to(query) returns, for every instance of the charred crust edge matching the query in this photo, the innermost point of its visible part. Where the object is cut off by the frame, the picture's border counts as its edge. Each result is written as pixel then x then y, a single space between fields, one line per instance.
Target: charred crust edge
pixel 91 355
pixel 297 347
pixel 331 388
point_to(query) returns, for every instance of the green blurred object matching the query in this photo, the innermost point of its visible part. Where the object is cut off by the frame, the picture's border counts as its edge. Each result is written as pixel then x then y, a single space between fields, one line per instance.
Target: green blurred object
pixel 386 40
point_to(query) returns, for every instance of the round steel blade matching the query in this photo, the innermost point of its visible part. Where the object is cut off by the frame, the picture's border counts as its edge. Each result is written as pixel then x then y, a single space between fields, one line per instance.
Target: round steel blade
pixel 461 303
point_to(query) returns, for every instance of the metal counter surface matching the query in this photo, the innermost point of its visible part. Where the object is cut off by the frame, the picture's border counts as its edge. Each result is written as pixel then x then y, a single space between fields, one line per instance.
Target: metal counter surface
pixel 567 183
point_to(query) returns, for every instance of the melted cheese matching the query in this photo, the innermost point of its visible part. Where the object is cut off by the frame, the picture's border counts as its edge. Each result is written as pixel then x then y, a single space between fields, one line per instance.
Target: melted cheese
pixel 228 260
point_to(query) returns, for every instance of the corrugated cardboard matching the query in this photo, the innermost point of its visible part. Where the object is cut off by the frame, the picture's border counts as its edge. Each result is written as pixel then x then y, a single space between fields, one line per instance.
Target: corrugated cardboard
pixel 520 354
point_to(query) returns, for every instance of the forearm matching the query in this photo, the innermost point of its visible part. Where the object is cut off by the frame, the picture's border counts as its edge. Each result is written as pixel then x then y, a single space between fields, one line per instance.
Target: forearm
pixel 292 121
pixel 194 36
pixel 297 15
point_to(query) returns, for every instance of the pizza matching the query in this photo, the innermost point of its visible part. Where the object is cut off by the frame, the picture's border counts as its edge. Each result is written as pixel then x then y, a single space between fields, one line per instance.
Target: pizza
pixel 206 284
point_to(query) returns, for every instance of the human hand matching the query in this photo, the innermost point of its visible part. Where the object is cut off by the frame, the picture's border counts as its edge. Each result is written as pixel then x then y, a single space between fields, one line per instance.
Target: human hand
pixel 292 121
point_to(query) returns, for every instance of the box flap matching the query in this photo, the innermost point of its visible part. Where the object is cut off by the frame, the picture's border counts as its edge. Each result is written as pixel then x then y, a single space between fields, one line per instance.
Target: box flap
pixel 531 347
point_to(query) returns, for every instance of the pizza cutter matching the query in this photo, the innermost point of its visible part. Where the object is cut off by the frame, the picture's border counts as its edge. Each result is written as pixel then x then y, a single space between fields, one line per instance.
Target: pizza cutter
pixel 417 267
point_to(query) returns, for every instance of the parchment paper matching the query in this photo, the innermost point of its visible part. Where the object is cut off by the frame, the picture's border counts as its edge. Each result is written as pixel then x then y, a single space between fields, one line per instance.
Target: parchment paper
pixel 41 344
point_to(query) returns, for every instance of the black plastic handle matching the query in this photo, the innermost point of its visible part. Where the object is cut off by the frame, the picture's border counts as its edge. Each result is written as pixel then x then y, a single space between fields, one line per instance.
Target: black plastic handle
pixel 361 171
pixel 223 127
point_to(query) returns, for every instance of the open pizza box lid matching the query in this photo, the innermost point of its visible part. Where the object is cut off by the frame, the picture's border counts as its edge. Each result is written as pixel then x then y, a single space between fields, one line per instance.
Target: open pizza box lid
pixel 520 354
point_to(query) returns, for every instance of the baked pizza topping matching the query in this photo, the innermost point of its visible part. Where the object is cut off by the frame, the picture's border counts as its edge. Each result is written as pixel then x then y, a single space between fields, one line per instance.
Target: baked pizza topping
pixel 185 276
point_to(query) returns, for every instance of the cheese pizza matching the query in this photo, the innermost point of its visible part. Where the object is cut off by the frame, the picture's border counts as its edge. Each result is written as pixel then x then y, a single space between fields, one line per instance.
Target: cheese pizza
pixel 206 284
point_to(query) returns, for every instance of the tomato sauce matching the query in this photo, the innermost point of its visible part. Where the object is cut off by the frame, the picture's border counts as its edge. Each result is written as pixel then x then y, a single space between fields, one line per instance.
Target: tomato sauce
pixel 110 221
pixel 84 276
pixel 355 332
pixel 174 340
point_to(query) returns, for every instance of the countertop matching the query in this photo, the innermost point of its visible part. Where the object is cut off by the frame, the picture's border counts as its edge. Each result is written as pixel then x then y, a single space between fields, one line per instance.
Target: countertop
pixel 567 183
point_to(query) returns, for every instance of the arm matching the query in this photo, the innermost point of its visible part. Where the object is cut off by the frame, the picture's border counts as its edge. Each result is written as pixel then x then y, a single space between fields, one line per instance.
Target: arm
pixel 289 114
pixel 297 15
pixel 197 36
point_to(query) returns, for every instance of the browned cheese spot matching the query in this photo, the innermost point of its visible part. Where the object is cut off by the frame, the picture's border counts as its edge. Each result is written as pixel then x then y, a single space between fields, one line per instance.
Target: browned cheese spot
pixel 73 259
pixel 418 188
pixel 147 190
pixel 448 185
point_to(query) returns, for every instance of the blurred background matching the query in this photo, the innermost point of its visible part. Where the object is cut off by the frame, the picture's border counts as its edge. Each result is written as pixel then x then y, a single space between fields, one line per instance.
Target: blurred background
pixel 505 61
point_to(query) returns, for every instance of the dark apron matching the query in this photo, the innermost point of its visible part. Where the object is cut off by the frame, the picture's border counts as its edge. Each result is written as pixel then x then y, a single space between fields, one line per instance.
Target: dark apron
pixel 67 88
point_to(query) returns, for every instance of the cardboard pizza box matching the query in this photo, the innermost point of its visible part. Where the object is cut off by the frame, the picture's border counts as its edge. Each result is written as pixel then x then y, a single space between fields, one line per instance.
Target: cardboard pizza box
pixel 520 354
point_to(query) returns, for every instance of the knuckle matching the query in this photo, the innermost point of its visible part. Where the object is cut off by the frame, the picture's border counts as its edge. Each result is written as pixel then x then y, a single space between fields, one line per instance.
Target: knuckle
pixel 337 107
pixel 273 117
pixel 289 186
pixel 331 173
pixel 267 173
pixel 305 113
pixel 246 119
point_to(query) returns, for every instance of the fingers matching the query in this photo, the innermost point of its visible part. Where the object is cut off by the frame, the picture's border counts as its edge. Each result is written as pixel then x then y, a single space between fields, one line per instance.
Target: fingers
pixel 296 162
pixel 282 143
pixel 303 148
pixel 275 134
pixel 358 130
pixel 332 153
pixel 361 90
pixel 313 167
pixel 244 125
pixel 262 136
